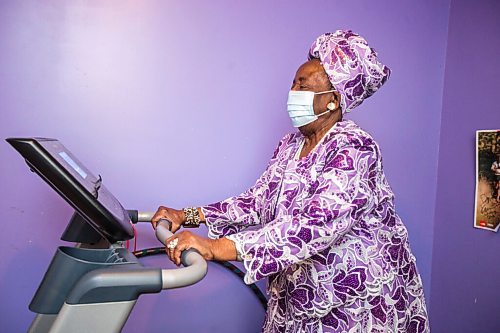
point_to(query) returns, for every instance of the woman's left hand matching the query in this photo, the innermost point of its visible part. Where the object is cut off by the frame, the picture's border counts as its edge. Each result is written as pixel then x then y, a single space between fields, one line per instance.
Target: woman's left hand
pixel 187 240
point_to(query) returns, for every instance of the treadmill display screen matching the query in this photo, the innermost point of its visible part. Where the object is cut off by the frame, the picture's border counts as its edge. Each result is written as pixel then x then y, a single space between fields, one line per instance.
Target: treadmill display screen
pixel 73 164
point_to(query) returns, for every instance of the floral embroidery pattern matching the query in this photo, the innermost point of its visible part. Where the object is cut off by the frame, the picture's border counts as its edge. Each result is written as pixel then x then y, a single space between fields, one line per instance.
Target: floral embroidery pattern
pixel 351 65
pixel 327 236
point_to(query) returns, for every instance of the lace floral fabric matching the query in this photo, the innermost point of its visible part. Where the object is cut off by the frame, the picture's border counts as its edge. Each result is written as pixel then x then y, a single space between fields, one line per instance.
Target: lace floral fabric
pixel 352 66
pixel 328 238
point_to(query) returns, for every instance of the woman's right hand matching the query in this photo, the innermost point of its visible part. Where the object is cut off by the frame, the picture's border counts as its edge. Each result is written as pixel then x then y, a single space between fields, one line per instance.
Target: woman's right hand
pixel 175 216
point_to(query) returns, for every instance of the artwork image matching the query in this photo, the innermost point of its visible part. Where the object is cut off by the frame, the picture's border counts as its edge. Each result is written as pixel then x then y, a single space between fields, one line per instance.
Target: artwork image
pixel 487 210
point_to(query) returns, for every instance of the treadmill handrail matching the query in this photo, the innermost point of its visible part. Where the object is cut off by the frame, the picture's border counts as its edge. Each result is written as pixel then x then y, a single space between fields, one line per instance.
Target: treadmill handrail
pixel 195 265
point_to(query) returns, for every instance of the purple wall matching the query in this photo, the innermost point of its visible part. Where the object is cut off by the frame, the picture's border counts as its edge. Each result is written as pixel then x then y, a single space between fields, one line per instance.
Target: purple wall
pixel 465 269
pixel 182 103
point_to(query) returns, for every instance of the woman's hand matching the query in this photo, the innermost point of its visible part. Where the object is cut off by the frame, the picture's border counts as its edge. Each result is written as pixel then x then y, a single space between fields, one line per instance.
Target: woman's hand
pixel 222 249
pixel 175 216
pixel 187 240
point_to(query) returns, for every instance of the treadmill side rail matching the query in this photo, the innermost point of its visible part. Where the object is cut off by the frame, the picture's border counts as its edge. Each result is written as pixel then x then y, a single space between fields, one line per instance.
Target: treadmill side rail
pixel 84 318
pixel 42 323
pixel 116 284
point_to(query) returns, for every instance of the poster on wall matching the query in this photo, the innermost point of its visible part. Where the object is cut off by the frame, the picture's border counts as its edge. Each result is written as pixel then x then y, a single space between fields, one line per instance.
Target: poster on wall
pixel 487 209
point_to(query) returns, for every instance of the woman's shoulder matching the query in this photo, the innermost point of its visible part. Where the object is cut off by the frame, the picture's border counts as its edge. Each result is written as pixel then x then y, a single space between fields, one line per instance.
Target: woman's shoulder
pixel 347 133
pixel 290 139
pixel 285 143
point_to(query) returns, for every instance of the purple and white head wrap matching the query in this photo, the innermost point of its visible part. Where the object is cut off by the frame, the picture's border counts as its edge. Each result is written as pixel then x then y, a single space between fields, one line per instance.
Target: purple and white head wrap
pixel 351 65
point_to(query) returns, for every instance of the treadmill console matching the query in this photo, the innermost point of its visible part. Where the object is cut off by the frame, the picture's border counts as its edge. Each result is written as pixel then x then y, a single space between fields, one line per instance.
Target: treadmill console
pixel 77 185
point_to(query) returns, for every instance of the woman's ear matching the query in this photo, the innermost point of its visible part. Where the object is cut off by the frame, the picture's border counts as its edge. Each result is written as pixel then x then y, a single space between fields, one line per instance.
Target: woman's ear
pixel 336 97
pixel 334 103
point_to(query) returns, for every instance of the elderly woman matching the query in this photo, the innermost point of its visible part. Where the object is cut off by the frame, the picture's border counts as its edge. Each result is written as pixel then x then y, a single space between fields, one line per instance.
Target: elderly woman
pixel 325 231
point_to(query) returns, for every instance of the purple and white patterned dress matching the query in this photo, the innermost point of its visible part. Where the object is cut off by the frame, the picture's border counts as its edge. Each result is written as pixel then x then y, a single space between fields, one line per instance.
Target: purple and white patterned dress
pixel 327 237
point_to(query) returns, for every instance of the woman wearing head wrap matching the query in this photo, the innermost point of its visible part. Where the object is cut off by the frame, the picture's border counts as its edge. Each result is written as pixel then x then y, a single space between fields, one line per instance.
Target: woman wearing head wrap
pixel 325 233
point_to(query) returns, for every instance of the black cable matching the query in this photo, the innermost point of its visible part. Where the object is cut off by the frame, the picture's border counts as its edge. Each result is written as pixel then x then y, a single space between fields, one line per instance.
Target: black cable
pixel 235 270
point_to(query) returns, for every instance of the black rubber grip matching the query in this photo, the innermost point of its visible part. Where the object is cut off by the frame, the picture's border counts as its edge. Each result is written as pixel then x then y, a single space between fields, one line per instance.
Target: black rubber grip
pixel 134 215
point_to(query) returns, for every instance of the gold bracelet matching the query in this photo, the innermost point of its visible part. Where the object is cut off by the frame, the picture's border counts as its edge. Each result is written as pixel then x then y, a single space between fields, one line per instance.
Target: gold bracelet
pixel 192 217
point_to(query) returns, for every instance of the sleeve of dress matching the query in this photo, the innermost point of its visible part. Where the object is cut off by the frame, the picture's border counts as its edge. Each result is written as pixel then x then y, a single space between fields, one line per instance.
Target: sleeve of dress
pixel 334 203
pixel 234 214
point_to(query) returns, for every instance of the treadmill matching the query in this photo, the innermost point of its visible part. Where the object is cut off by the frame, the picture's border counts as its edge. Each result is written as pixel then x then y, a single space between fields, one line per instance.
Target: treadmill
pixel 93 286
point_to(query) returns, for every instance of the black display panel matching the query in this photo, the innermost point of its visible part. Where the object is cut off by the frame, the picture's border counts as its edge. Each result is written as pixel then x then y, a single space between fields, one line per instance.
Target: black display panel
pixel 77 185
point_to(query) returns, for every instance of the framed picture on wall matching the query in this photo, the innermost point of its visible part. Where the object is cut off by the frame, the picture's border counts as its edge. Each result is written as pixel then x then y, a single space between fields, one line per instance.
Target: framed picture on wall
pixel 487 207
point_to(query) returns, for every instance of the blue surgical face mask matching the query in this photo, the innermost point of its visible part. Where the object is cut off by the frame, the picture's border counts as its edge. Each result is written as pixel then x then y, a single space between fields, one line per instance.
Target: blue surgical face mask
pixel 300 107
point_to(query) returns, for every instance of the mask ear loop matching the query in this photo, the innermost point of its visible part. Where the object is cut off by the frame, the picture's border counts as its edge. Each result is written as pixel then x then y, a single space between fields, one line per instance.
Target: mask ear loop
pixel 323 113
pixel 330 106
pixel 324 92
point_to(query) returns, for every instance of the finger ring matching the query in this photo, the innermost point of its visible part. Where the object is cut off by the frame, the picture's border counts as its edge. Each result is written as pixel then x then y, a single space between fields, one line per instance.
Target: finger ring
pixel 173 243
